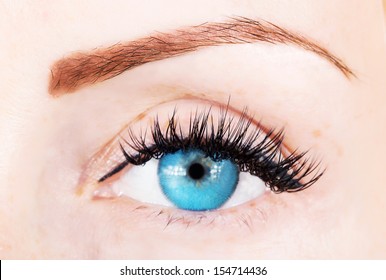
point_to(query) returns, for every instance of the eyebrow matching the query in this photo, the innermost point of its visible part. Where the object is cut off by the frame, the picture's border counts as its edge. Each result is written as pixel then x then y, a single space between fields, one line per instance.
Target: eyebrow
pixel 85 68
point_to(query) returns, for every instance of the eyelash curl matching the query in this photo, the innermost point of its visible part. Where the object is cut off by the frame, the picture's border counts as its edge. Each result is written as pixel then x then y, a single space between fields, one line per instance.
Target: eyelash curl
pixel 230 138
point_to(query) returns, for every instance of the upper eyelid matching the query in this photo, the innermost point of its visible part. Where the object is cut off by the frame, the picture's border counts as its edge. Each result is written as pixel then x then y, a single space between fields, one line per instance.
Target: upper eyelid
pixel 105 174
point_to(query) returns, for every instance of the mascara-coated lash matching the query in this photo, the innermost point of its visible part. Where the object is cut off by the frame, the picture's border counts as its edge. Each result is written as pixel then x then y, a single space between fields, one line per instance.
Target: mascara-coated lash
pixel 237 139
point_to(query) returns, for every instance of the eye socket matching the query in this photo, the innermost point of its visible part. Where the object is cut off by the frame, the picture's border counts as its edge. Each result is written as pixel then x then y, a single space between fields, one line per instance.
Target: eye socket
pixel 198 160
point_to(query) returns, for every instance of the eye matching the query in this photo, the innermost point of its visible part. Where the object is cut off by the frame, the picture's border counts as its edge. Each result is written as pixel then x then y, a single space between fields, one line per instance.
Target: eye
pixel 199 160
pixel 189 180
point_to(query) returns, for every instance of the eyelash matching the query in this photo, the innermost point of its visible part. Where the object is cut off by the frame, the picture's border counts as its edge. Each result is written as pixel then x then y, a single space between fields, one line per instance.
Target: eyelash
pixel 230 139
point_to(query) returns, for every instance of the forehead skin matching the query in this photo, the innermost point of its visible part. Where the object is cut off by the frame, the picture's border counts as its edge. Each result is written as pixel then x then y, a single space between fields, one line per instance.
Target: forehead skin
pixel 343 121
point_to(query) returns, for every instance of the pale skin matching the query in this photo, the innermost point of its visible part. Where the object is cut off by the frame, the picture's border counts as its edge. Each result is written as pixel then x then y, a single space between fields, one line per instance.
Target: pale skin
pixel 47 142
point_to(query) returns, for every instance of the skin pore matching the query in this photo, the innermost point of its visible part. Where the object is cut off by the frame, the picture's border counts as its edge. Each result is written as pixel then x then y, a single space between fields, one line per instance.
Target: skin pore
pixel 47 142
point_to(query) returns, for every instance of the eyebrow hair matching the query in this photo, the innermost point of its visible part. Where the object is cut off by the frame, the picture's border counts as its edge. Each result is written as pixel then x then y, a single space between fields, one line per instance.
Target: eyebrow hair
pixel 84 68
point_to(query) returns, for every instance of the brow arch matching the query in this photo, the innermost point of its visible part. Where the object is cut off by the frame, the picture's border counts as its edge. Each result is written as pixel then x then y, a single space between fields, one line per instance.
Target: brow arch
pixel 84 68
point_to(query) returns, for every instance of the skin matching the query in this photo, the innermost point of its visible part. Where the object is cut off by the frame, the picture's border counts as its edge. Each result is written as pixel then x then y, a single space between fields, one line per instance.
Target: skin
pixel 47 142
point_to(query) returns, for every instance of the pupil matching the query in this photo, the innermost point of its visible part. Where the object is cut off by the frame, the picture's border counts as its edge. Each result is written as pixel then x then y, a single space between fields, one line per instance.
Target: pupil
pixel 196 171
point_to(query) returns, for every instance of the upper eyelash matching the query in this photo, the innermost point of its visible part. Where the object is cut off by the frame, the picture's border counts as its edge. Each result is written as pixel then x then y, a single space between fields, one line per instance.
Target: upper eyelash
pixel 230 139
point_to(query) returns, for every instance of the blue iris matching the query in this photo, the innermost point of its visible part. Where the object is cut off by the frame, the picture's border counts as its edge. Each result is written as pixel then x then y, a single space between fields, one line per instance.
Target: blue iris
pixel 193 181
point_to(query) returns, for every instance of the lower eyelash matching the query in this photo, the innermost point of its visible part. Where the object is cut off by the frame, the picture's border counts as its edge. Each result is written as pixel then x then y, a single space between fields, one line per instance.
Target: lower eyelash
pixel 232 139
pixel 190 219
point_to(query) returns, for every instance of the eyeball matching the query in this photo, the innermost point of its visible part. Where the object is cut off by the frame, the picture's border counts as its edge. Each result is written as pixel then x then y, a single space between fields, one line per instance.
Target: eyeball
pixel 189 180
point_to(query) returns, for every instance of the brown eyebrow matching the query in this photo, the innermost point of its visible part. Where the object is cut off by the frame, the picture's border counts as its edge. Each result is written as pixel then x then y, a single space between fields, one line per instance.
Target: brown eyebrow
pixel 84 68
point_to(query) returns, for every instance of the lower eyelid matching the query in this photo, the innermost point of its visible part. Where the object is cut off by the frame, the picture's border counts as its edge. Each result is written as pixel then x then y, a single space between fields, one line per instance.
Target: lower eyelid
pixel 248 216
